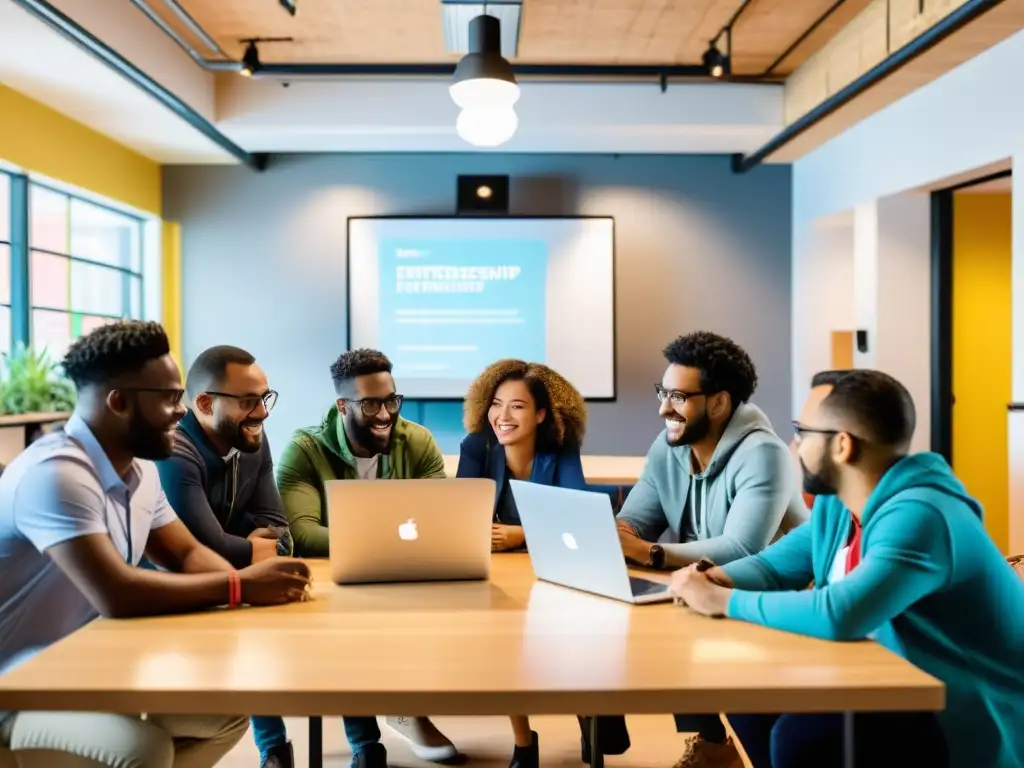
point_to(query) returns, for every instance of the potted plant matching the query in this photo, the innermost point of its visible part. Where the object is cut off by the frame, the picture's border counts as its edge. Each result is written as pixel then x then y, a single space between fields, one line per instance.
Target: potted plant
pixel 32 383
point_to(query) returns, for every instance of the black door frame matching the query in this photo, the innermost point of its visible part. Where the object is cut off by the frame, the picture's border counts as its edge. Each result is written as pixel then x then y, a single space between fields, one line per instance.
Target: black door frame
pixel 942 311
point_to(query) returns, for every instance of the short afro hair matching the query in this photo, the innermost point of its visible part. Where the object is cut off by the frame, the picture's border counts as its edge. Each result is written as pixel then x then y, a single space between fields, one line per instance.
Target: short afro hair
pixel 566 419
pixel 355 363
pixel 872 405
pixel 113 350
pixel 723 364
pixel 207 371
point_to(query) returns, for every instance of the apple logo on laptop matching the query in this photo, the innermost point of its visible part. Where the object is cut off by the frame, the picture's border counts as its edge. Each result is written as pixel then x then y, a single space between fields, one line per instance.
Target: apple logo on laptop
pixel 407 531
pixel 570 541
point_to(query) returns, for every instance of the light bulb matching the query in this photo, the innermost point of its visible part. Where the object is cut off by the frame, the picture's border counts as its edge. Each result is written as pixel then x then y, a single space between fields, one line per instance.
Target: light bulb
pixel 487 127
pixel 484 92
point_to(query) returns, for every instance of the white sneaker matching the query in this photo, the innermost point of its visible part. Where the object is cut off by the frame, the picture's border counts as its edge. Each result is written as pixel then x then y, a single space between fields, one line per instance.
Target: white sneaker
pixel 426 741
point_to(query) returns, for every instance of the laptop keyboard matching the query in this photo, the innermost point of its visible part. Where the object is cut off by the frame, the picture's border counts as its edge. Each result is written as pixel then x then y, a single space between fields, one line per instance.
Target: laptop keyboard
pixel 643 587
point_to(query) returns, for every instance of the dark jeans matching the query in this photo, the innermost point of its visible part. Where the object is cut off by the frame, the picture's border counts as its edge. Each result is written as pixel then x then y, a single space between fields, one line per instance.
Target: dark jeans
pixel 881 740
pixel 709 727
pixel 269 732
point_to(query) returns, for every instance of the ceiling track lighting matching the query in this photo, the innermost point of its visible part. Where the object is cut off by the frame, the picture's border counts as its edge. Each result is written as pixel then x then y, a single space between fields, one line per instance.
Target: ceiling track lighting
pixel 484 87
pixel 719 64
pixel 251 58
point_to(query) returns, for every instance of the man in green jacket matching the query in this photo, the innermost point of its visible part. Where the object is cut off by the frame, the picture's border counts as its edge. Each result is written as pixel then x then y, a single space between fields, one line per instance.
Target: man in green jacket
pixel 362 437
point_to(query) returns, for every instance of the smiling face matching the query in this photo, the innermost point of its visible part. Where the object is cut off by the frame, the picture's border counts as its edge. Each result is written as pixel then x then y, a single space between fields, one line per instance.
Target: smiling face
pixel 370 413
pixel 150 407
pixel 683 406
pixel 234 417
pixel 514 415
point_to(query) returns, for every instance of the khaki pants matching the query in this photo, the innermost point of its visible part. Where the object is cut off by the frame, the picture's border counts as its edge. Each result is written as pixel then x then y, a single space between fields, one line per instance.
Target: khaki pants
pixel 91 740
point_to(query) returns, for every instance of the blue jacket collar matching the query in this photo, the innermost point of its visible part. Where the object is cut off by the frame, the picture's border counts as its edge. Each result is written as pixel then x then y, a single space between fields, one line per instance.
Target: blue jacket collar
pixel 193 430
pixel 543 471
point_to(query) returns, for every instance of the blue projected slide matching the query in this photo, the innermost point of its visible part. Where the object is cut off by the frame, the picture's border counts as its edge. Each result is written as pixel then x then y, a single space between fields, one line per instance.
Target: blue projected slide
pixel 450 307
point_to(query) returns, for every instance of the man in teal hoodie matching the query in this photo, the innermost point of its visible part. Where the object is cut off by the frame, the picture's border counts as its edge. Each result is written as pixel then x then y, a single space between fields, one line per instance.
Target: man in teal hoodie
pixel 718 483
pixel 897 553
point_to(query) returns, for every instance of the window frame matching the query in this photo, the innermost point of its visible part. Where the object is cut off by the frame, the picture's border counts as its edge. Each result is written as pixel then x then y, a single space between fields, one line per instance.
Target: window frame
pixel 22 306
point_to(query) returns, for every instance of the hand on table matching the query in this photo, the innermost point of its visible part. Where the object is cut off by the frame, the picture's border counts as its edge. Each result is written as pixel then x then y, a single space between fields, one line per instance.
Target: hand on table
pixel 264 543
pixel 701 592
pixel 506 537
pixel 275 581
pixel 633 547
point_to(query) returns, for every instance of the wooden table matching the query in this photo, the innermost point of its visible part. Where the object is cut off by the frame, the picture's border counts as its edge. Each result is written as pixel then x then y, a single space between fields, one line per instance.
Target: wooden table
pixel 598 470
pixel 468 648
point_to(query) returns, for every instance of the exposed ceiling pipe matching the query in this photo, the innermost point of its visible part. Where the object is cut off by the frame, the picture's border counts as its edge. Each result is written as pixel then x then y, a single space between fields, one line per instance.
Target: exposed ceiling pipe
pixel 954 21
pixel 212 65
pixel 197 30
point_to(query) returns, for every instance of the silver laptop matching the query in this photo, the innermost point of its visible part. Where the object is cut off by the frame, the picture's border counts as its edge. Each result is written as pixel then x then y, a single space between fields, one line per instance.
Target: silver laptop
pixel 410 530
pixel 573 541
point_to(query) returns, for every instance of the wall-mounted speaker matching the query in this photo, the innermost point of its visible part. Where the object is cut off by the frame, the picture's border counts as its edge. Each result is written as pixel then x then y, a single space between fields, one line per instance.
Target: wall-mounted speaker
pixel 482 194
pixel 862 340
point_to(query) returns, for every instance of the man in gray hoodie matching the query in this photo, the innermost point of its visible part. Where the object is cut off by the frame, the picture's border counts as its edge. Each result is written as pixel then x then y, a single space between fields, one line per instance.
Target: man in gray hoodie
pixel 718 483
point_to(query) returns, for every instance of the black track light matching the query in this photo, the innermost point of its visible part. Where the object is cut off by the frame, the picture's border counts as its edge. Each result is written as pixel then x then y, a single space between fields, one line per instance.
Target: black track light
pixel 716 61
pixel 250 60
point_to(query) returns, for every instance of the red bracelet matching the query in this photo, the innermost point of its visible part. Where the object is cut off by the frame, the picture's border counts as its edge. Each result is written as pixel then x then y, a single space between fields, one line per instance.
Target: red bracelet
pixel 234 590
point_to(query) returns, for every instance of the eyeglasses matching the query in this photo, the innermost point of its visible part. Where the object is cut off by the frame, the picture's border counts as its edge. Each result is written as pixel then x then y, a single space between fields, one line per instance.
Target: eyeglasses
pixel 370 406
pixel 174 396
pixel 250 403
pixel 674 395
pixel 800 430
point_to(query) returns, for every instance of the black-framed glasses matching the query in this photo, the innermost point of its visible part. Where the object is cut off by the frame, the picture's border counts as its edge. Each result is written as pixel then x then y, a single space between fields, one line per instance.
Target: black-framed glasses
pixel 675 396
pixel 174 396
pixel 370 406
pixel 800 430
pixel 250 403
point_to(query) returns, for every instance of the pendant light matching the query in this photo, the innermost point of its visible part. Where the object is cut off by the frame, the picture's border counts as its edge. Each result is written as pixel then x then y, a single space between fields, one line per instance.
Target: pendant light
pixel 484 87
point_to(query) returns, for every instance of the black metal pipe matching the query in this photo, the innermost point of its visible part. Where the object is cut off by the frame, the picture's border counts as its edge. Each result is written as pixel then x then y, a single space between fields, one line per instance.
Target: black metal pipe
pixel 957 19
pixel 45 12
pixel 1003 174
pixel 526 70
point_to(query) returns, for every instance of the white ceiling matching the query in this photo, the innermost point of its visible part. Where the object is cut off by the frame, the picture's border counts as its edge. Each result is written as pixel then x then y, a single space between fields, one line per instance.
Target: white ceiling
pixel 41 63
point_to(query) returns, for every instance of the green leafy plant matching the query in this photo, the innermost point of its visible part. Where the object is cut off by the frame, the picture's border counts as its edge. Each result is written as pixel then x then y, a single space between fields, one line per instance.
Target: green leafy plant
pixel 32 383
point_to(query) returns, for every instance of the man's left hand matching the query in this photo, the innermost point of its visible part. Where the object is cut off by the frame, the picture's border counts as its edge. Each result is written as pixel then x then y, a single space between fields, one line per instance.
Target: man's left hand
pixel 695 590
pixel 506 537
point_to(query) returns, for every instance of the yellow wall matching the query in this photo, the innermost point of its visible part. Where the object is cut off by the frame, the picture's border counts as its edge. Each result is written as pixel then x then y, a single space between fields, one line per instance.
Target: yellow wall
pixel 171 286
pixel 982 351
pixel 38 139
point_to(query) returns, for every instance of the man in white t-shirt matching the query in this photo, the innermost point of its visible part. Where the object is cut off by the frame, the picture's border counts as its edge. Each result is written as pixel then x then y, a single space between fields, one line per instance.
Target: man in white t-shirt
pixel 78 510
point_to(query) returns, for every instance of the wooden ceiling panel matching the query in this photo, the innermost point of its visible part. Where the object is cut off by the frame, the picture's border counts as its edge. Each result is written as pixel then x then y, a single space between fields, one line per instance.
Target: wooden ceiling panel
pixel 553 31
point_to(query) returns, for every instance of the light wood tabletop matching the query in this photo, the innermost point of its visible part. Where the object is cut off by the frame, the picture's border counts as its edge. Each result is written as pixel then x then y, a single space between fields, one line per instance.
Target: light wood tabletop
pixel 471 648
pixel 598 470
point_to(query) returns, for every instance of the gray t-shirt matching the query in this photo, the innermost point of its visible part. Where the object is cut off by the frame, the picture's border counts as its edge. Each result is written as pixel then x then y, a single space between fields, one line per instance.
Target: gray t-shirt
pixel 61 487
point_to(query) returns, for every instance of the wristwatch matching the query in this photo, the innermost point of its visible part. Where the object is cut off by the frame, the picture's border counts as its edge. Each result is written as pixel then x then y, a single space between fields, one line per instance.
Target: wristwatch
pixel 656 559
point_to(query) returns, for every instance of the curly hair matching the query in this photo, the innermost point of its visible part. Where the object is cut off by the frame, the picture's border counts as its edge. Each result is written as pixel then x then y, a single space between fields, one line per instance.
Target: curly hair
pixel 357 362
pixel 113 350
pixel 566 419
pixel 723 364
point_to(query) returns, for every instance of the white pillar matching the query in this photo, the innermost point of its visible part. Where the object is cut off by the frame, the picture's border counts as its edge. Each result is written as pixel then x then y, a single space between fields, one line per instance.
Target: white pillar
pixel 892 296
pixel 1016 418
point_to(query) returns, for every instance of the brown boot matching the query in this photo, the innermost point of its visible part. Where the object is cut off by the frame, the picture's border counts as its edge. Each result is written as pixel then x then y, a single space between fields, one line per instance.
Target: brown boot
pixel 707 754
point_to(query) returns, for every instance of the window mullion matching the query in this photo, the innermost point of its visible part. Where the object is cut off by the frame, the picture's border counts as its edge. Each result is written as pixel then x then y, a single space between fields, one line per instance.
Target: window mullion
pixel 20 303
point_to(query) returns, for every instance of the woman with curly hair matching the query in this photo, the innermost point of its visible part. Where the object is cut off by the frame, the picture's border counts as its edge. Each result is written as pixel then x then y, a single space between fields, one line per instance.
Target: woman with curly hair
pixel 526 422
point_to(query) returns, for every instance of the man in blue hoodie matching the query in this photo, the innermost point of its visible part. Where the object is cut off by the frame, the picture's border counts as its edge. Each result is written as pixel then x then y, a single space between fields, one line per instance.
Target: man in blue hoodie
pixel 897 553
pixel 718 483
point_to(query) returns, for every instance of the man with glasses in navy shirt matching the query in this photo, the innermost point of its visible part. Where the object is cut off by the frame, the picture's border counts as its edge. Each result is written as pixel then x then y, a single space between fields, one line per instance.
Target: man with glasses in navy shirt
pixel 220 480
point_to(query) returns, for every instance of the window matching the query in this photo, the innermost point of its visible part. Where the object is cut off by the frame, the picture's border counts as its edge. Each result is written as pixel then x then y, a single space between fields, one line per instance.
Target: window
pixel 85 267
pixel 5 263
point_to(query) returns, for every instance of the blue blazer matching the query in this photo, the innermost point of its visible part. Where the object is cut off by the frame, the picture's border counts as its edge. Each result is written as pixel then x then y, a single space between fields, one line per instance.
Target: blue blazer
pixel 481 456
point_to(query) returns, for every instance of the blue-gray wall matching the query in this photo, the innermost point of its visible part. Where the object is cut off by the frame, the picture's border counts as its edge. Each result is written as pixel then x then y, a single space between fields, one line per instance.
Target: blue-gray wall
pixel 697 246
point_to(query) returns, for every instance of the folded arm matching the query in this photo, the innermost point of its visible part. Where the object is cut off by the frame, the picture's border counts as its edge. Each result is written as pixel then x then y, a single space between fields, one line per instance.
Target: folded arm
pixel 764 488
pixel 906 557
pixel 299 487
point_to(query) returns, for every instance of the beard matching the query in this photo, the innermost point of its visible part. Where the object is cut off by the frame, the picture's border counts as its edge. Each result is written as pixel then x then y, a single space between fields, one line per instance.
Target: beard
pixel 694 431
pixel 146 441
pixel 366 438
pixel 235 435
pixel 820 483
